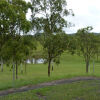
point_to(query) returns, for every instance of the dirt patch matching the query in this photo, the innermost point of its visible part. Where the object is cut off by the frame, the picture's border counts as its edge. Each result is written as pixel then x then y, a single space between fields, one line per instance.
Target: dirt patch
pixel 57 82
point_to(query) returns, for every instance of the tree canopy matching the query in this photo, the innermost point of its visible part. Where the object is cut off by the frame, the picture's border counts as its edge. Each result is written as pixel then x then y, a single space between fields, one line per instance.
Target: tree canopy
pixel 87 44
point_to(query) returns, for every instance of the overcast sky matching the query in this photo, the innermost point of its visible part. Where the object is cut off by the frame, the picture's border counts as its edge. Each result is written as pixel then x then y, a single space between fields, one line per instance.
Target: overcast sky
pixel 87 13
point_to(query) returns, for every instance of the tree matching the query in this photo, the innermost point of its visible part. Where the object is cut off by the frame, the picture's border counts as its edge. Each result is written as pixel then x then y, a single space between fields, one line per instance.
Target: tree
pixel 54 46
pixel 4 12
pixel 87 43
pixel 50 21
pixel 3 37
pixel 13 16
pixel 13 21
pixel 12 51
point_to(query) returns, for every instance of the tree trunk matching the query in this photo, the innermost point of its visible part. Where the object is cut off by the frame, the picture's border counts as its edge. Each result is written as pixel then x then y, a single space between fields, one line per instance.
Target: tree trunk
pixel 21 68
pixel 1 64
pixel 93 66
pixel 52 67
pixel 49 65
pixel 16 70
pixel 97 56
pixel 87 66
pixel 13 71
pixel 25 67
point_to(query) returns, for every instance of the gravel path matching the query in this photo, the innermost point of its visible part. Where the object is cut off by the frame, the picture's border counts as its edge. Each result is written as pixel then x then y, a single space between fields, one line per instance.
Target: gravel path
pixel 52 83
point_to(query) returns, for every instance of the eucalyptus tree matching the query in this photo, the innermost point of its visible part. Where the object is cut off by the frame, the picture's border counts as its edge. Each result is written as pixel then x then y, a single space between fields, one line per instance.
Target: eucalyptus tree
pixel 13 16
pixel 50 17
pixel 12 51
pixel 13 21
pixel 4 26
pixel 87 44
pixel 54 46
pixel 17 51
pixel 2 42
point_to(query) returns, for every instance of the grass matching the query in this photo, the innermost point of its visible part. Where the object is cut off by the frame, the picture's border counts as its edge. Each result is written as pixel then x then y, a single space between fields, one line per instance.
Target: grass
pixel 70 66
pixel 83 90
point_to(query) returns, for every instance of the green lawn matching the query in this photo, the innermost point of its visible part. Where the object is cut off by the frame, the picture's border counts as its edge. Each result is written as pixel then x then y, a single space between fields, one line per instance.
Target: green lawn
pixel 83 90
pixel 70 66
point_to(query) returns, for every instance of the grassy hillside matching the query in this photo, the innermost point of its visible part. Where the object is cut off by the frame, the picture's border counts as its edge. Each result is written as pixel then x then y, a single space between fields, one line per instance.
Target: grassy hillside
pixel 70 66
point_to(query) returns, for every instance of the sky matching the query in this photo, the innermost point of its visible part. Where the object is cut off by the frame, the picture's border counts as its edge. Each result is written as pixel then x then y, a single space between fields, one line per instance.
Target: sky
pixel 87 13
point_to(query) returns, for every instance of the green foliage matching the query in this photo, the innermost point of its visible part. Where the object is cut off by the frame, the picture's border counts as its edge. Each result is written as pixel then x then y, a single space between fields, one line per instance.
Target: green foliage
pixel 55 45
pixel 28 45
pixel 72 44
pixel 38 52
pixel 13 16
pixel 52 15
pixel 13 22
pixel 87 44
pixel 12 48
pixel 50 23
